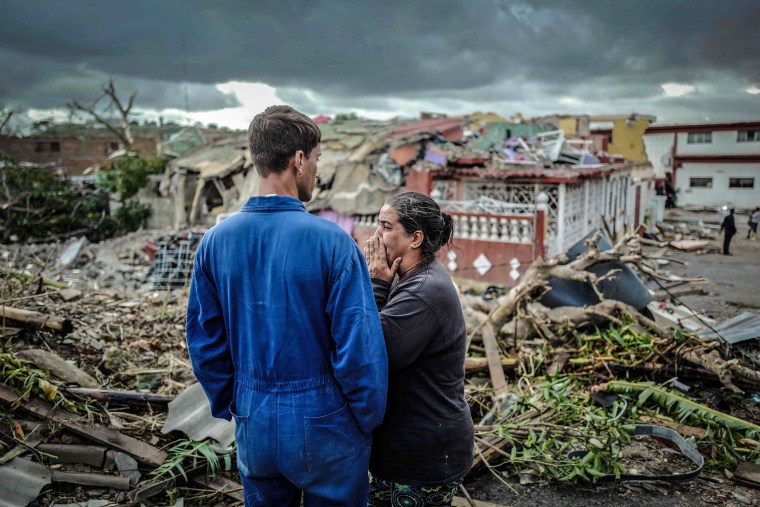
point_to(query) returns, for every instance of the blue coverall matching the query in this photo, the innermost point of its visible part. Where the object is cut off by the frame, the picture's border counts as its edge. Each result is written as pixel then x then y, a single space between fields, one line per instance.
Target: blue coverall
pixel 283 334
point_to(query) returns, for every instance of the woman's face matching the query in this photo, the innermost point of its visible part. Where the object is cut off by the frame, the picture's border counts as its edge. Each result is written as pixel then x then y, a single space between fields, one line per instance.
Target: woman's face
pixel 397 242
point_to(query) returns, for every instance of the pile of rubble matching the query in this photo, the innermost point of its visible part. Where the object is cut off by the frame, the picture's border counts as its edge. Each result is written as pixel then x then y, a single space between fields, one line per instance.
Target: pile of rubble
pixel 596 383
pixel 693 236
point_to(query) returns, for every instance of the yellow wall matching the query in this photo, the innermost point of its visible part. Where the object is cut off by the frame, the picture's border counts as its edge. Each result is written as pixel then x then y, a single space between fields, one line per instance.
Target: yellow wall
pixel 479 119
pixel 628 140
pixel 568 125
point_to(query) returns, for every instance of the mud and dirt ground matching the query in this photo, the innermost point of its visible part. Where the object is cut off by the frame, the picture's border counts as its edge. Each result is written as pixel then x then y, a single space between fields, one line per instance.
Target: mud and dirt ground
pixel 734 288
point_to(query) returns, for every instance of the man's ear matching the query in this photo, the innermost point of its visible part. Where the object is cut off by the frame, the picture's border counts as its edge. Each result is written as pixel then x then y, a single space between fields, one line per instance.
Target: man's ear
pixel 298 160
pixel 418 238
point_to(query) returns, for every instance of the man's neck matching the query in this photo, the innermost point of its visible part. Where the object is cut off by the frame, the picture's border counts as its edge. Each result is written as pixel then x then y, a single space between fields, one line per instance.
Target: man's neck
pixel 276 184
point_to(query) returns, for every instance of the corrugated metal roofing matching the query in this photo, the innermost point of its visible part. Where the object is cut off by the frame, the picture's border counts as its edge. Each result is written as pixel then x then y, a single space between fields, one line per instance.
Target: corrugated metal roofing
pixel 742 327
pixel 21 481
pixel 211 161
pixel 350 135
pixel 190 414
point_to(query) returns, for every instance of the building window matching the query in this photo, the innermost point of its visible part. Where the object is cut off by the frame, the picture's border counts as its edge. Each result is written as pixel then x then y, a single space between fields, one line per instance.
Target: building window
pixel 699 137
pixel 748 136
pixel 110 147
pixel 40 147
pixel 700 182
pixel 741 183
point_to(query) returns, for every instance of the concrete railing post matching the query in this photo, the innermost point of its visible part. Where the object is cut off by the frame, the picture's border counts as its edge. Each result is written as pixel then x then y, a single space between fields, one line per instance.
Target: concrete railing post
pixel 539 230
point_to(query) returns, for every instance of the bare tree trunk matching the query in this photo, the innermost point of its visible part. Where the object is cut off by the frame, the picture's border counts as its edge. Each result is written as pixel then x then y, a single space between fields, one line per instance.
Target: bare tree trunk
pixel 5 117
pixel 123 130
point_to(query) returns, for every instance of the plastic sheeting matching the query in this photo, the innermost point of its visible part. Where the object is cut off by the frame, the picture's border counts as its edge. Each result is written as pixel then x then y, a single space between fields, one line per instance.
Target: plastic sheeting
pixel 624 286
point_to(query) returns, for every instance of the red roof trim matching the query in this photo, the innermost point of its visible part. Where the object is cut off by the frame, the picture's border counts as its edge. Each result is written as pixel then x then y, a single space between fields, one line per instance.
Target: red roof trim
pixel 439 124
pixel 562 175
pixel 726 159
pixel 702 127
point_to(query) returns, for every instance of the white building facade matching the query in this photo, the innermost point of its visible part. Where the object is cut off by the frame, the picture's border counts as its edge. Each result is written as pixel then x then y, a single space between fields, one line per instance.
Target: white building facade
pixel 712 164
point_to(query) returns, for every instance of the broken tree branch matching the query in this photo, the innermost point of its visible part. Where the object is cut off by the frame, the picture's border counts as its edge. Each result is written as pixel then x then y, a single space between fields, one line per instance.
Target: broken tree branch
pixel 123 131
pixel 126 397
pixel 36 319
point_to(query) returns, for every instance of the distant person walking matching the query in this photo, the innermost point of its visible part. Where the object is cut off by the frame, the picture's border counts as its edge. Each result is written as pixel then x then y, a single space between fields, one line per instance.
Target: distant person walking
pixel 728 228
pixel 754 219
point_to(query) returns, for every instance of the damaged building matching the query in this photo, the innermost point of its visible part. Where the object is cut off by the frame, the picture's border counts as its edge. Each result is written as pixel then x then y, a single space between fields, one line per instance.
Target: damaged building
pixel 517 191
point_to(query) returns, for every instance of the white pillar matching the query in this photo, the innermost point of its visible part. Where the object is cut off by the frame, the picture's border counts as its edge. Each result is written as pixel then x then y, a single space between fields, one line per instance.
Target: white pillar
pixel 562 212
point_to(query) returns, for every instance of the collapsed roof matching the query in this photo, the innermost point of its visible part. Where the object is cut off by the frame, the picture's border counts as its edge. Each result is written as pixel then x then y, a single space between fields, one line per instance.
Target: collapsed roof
pixel 362 164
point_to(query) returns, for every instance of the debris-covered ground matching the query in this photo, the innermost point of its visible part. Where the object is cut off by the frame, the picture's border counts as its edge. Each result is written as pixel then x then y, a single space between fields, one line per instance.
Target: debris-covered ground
pixel 557 393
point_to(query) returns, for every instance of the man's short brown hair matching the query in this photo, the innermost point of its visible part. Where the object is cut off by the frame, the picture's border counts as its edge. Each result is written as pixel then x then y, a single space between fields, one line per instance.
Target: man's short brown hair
pixel 275 135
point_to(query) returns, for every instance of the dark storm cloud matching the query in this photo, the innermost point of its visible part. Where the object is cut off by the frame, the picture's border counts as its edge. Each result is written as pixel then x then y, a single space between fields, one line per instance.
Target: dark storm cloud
pixel 368 53
pixel 50 84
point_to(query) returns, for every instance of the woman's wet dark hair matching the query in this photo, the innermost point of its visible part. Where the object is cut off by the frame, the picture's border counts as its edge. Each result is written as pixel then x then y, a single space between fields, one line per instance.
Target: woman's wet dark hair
pixel 418 212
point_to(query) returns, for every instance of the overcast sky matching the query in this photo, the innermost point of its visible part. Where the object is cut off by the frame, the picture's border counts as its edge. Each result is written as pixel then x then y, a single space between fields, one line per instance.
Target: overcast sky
pixel 224 61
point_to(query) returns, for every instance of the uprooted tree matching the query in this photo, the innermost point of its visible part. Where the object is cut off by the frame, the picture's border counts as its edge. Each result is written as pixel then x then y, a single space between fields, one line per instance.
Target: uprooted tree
pixel 520 315
pixel 548 423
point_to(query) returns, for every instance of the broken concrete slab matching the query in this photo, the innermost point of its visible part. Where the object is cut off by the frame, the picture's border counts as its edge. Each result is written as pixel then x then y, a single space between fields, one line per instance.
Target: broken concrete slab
pixel 69 294
pixel 127 466
pixel 59 367
pixel 190 414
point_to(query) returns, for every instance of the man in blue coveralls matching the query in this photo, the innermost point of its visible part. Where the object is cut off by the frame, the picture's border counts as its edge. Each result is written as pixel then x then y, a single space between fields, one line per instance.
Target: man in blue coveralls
pixel 283 332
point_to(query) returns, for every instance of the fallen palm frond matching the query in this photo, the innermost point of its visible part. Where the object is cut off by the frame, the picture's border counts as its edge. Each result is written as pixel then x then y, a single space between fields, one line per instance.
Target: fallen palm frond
pixel 684 408
pixel 30 381
pixel 552 429
pixel 729 439
pixel 190 454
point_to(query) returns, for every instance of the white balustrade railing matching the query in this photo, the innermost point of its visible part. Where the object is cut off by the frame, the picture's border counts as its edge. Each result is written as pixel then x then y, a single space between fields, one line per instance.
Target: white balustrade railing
pixel 502 229
pixel 487 205
pixel 366 221
pixel 493 228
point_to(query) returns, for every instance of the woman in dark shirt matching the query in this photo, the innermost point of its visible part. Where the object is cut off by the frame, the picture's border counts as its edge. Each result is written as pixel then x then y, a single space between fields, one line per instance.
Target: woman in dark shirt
pixel 423 448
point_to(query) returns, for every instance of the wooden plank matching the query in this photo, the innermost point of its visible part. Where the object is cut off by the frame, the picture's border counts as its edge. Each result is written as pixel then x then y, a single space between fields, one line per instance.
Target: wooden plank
pixel 489 447
pixel 495 369
pixel 463 502
pixel 473 364
pixel 141 451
